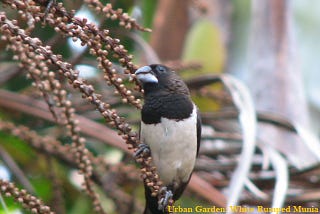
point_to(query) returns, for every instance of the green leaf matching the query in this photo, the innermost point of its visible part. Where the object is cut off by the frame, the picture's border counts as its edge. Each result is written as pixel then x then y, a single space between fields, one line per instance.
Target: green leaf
pixel 20 151
pixel 204 45
pixel 80 206
pixel 206 104
pixel 148 9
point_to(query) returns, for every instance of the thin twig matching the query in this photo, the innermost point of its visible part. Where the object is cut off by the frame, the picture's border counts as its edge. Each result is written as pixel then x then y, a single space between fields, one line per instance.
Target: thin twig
pixel 16 171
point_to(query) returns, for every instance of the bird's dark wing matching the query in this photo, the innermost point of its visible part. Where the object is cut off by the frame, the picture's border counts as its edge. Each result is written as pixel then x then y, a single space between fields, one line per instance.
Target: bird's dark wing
pixel 198 130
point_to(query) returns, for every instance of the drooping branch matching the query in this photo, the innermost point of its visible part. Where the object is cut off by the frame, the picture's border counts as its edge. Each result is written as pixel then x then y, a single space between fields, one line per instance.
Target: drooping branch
pixel 12 33
pixel 100 43
pixel 34 204
pixel 54 148
pixel 125 20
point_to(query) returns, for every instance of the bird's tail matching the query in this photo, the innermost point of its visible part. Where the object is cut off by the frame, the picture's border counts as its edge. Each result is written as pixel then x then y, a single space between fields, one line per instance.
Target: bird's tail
pixel 151 203
pixel 147 211
pixel 152 210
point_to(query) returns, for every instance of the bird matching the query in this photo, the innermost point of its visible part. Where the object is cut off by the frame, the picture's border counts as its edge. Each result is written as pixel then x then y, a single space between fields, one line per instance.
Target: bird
pixel 170 130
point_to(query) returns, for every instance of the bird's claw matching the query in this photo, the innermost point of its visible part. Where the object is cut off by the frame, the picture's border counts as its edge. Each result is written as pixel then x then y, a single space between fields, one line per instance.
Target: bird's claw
pixel 142 149
pixel 163 202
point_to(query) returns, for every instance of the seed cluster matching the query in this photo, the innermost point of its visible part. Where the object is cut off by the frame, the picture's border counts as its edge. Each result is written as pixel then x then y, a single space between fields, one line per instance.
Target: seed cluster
pixel 54 148
pixel 37 67
pixel 21 196
pixel 99 42
pixel 32 54
pixel 125 20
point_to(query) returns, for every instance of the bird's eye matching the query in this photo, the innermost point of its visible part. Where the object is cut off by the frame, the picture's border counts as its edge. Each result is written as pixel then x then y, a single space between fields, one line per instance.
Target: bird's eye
pixel 161 69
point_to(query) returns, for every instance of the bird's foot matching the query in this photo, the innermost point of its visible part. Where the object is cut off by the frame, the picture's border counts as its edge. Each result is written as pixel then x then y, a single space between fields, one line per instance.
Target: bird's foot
pixel 167 195
pixel 142 149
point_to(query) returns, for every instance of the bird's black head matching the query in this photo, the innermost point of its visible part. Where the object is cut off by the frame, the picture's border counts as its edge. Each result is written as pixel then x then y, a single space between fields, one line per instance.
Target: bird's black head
pixel 158 77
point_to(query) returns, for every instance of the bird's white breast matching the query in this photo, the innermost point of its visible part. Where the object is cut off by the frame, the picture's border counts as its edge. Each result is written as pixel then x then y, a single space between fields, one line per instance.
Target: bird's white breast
pixel 173 147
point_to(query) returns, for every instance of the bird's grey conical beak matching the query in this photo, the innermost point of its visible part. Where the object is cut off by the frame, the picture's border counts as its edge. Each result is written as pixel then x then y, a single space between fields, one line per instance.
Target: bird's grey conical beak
pixel 144 75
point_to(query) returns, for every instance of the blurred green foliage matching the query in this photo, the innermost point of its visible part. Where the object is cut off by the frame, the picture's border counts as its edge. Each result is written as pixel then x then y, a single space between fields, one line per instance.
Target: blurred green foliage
pixel 204 45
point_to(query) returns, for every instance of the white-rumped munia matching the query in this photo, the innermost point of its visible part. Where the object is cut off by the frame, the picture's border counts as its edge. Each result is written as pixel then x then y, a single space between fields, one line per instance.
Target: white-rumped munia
pixel 170 130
